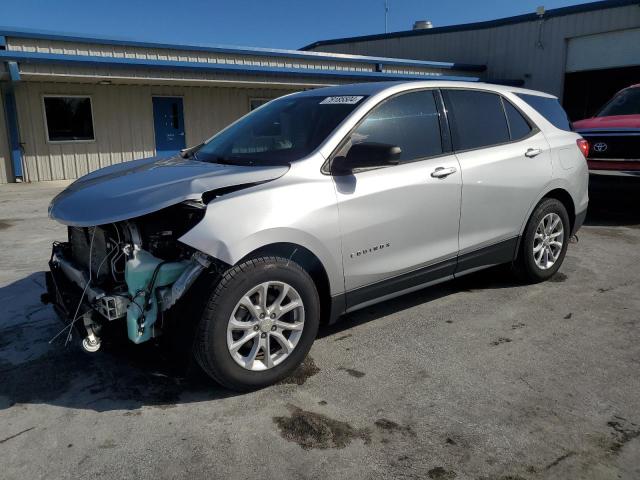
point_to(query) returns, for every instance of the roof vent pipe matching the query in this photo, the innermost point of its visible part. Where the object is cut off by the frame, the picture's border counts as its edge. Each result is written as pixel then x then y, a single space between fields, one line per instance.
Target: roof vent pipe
pixel 422 25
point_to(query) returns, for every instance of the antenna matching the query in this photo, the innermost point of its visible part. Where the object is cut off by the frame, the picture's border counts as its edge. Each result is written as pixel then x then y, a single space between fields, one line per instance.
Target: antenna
pixel 386 14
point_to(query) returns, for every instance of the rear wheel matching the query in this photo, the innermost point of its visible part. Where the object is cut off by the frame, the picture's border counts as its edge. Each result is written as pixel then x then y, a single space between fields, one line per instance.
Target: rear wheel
pixel 259 323
pixel 544 244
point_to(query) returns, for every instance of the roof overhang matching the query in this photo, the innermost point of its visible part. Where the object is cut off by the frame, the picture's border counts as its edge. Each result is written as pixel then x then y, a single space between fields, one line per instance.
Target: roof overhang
pixel 56 57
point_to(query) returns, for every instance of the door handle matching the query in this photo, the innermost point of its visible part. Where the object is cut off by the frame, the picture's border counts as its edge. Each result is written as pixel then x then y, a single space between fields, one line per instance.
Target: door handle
pixel 442 172
pixel 533 152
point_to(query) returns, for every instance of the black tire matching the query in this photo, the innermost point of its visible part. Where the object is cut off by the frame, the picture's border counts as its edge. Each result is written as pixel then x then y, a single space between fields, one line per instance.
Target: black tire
pixel 210 345
pixel 525 266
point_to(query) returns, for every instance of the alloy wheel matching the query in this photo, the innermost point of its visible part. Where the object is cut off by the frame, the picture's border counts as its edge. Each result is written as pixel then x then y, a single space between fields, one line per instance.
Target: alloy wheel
pixel 265 326
pixel 548 241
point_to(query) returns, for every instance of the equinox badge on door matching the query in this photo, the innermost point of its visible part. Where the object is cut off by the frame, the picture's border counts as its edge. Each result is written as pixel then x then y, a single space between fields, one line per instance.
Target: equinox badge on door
pixel 373 249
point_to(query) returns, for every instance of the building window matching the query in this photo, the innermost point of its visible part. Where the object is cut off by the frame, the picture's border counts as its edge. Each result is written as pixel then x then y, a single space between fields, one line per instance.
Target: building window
pixel 257 102
pixel 68 118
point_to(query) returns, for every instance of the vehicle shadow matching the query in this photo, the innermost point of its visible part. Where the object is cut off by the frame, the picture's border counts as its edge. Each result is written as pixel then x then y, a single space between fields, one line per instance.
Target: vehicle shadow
pixel 123 376
pixel 613 202
pixel 490 279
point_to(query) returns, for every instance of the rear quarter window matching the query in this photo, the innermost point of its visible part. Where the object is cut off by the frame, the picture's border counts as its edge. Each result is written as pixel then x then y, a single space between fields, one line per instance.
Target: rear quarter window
pixel 549 108
pixel 518 126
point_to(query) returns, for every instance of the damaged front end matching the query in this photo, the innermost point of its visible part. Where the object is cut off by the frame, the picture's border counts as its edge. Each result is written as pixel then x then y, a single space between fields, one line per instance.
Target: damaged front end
pixel 122 259
pixel 132 271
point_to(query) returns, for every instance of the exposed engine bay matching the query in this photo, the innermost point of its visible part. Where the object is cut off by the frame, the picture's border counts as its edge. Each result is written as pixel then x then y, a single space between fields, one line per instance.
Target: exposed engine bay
pixel 132 271
pixel 122 261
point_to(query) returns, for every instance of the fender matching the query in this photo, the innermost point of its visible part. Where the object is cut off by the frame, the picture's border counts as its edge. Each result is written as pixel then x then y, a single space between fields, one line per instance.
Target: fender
pixel 302 212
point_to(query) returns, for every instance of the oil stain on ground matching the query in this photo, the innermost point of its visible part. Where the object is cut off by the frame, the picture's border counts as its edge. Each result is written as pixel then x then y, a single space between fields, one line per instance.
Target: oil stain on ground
pixel 439 473
pixel 307 369
pixel 558 277
pixel 4 224
pixel 393 427
pixel 352 372
pixel 314 430
pixel 343 337
pixel 623 432
pixel 389 428
pixel 500 341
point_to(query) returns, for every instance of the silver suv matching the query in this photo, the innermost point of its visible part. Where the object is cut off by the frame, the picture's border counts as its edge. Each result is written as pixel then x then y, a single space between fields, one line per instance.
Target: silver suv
pixel 316 204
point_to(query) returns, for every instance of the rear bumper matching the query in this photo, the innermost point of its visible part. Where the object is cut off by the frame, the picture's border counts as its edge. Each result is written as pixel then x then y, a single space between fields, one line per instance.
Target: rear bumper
pixel 614 167
pixel 615 173
pixel 580 216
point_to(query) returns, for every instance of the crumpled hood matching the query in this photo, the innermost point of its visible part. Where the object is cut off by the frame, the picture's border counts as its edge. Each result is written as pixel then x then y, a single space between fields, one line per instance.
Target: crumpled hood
pixel 131 189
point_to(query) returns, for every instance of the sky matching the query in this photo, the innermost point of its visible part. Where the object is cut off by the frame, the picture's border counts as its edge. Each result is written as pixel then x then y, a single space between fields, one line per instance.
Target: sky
pixel 286 24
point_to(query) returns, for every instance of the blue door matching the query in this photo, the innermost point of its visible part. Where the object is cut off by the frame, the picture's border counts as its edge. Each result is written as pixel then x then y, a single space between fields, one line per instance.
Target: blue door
pixel 169 125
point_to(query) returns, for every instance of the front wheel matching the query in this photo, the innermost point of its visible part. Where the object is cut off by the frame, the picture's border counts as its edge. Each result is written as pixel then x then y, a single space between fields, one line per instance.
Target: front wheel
pixel 544 244
pixel 259 323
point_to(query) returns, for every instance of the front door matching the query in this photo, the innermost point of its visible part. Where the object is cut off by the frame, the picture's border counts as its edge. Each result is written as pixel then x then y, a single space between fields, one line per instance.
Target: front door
pixel 168 122
pixel 399 224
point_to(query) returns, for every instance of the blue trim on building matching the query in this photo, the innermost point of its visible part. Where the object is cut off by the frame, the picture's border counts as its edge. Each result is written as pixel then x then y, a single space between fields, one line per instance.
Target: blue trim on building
pixel 226 49
pixel 87 60
pixel 3 42
pixel 527 17
pixel 14 132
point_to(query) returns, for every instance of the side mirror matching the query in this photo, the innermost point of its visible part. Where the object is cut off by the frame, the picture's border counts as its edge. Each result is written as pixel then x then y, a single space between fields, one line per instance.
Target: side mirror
pixel 367 155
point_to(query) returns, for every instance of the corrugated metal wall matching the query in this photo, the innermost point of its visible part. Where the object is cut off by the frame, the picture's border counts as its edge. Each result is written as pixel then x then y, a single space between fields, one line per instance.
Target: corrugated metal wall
pixel 533 51
pixel 5 158
pixel 45 46
pixel 123 123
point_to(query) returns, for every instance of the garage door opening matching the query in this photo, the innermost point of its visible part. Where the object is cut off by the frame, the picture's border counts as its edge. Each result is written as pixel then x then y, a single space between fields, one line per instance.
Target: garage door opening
pixel 586 92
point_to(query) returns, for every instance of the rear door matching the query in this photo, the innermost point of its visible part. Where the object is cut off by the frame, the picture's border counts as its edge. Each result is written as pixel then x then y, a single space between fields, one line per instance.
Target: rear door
pixel 399 224
pixel 505 163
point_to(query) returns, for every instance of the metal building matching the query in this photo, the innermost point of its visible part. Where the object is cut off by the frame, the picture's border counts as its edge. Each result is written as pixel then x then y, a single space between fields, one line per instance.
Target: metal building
pixel 583 54
pixel 72 104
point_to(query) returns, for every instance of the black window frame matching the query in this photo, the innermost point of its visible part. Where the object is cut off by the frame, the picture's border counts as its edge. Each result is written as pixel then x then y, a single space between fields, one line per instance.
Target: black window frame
pixel 534 128
pixel 46 118
pixel 445 133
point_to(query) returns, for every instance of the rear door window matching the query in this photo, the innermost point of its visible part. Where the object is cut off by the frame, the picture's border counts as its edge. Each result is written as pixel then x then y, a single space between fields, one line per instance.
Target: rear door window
pixel 477 119
pixel 409 121
pixel 549 108
pixel 519 127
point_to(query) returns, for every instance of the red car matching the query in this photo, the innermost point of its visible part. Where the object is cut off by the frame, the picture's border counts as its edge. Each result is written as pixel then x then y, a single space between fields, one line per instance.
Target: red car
pixel 614 135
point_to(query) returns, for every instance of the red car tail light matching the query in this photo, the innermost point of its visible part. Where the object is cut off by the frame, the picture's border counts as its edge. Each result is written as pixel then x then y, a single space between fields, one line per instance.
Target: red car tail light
pixel 583 145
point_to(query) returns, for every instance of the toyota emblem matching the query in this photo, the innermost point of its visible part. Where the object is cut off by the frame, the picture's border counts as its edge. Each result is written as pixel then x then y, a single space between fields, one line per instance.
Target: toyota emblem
pixel 600 147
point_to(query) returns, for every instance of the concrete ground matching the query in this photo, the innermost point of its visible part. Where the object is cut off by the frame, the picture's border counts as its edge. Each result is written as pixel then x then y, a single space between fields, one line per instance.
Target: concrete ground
pixel 480 378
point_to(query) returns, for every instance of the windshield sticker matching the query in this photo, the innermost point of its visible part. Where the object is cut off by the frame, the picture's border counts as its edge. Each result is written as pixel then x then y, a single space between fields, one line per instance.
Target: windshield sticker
pixel 342 100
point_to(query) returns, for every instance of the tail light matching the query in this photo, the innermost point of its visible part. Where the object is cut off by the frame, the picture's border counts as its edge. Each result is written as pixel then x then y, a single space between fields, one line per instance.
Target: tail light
pixel 583 145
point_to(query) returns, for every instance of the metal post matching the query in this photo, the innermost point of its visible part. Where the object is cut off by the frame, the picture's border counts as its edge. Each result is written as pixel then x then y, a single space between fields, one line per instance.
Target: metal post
pixel 14 136
pixel 11 115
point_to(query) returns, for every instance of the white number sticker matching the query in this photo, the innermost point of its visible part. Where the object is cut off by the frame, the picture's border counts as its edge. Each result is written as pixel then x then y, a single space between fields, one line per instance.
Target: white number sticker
pixel 344 100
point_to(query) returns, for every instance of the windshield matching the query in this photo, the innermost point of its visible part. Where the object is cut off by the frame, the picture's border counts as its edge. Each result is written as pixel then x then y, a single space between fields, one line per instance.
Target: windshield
pixel 627 102
pixel 280 132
